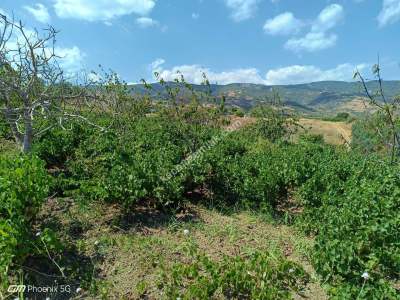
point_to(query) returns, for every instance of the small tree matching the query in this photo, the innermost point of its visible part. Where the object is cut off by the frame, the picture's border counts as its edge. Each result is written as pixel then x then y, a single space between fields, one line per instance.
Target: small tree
pixel 32 83
pixel 274 122
pixel 387 111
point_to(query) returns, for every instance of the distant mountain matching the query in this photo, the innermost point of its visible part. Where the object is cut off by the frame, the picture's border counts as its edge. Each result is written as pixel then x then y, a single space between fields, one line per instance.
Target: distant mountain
pixel 310 97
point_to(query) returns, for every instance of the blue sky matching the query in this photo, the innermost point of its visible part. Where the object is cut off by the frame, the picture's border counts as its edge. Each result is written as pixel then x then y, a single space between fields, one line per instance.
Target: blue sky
pixel 256 41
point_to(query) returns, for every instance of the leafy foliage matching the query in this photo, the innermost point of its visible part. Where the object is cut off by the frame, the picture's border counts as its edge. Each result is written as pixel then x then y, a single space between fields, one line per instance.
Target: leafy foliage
pixel 353 207
pixel 23 187
pixel 162 154
pixel 258 276
pixel 128 168
pixel 372 135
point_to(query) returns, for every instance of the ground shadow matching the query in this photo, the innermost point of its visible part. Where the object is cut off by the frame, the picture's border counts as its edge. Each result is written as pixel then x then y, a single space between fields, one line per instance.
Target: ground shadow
pixel 143 217
pixel 44 280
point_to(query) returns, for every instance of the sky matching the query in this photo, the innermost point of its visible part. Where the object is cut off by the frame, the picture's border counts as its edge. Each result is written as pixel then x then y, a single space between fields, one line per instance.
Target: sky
pixel 250 41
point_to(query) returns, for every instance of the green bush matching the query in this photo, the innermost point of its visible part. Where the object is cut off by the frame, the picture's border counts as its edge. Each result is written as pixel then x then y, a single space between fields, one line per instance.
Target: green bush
pixel 23 188
pixel 57 146
pixel 359 229
pixel 350 200
pixel 311 138
pixel 5 131
pixel 351 203
pixel 258 276
pixel 136 165
pixel 237 111
pixel 340 117
pixel 372 135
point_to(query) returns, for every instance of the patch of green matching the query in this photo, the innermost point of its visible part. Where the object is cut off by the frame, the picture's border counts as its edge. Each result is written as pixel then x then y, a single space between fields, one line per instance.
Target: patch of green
pixel 260 275
pixel 23 187
pixel 340 117
pixel 8 147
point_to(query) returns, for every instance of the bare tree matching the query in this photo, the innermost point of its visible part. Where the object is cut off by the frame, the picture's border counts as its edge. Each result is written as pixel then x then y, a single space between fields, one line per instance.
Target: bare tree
pixel 388 109
pixel 32 83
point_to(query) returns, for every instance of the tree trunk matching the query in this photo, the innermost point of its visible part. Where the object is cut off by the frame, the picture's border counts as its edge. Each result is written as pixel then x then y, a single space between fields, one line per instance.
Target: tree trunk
pixel 28 135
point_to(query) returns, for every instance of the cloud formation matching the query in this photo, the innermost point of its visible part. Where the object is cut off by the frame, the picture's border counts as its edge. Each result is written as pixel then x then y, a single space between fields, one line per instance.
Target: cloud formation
pixel 309 73
pixel 294 74
pixel 101 10
pixel 283 24
pixel 390 12
pixel 328 18
pixel 145 22
pixel 311 42
pixel 39 12
pixel 318 38
pixel 71 59
pixel 242 9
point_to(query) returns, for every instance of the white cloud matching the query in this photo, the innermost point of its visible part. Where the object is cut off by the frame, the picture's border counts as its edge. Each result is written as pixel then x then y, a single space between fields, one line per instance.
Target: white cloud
pixel 318 37
pixel 287 75
pixel 71 59
pixel 311 42
pixel 283 24
pixel 242 9
pixel 194 74
pixel 39 12
pixel 145 22
pixel 195 16
pixel 390 12
pixel 328 18
pixel 155 66
pixel 101 10
pixel 309 73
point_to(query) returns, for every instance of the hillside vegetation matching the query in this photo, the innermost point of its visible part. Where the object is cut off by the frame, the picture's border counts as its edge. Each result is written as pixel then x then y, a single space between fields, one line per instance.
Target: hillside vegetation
pixel 205 212
pixel 172 193
pixel 311 98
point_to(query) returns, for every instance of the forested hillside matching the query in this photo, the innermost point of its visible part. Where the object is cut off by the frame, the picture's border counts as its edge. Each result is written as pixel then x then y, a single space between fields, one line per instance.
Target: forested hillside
pixel 322 97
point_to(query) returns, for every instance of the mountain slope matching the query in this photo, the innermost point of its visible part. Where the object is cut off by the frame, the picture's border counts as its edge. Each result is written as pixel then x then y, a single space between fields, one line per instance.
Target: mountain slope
pixel 324 95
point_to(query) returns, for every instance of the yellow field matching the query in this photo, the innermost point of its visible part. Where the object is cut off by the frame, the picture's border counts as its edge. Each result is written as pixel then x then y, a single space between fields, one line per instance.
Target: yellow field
pixel 336 133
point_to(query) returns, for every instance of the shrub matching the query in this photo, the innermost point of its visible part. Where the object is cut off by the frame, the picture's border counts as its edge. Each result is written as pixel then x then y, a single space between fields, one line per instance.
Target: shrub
pixel 361 230
pixel 130 167
pixel 237 111
pixel 23 187
pixel 352 204
pixel 5 131
pixel 57 146
pixel 340 117
pixel 373 135
pixel 258 276
pixel 311 138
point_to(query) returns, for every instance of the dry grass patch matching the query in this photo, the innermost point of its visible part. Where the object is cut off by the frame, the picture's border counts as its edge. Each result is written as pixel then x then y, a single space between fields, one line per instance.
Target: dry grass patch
pixel 131 251
pixel 335 133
